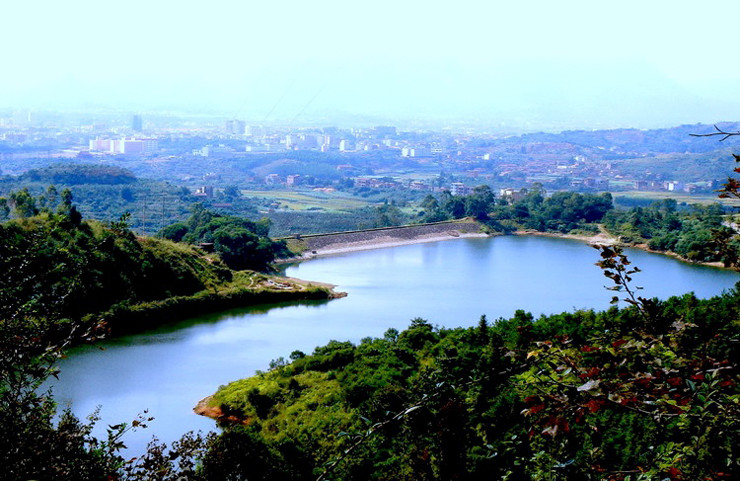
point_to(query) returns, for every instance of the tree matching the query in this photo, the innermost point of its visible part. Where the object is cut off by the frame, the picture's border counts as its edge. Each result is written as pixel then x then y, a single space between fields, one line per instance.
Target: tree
pixel 724 243
pixel 23 204
pixel 4 208
pixel 454 206
pixel 242 243
pixel 480 202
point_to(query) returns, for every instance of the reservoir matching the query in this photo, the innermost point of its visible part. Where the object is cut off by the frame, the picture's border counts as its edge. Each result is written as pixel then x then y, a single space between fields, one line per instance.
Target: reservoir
pixel 451 283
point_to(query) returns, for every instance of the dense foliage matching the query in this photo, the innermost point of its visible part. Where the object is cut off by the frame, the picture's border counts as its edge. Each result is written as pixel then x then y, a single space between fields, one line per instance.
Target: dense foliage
pixel 57 265
pixel 75 174
pixel 104 193
pixel 692 233
pixel 57 269
pixel 559 212
pixel 647 392
pixel 241 243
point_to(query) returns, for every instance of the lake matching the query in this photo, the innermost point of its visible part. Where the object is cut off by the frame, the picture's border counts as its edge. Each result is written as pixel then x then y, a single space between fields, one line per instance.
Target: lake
pixel 450 283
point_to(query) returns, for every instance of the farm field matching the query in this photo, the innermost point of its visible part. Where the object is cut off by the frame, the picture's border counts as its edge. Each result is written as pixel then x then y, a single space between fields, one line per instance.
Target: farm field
pixel 310 200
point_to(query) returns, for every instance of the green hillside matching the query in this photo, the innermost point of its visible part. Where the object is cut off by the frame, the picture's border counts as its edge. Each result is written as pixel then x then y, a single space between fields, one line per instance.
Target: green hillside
pixel 648 392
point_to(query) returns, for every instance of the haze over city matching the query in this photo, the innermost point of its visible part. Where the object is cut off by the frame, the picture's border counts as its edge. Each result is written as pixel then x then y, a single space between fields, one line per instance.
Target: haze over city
pixel 524 66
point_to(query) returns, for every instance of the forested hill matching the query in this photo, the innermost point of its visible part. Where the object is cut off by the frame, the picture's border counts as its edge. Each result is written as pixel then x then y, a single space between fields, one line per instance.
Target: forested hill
pixel 648 392
pixel 71 174
pixel 58 266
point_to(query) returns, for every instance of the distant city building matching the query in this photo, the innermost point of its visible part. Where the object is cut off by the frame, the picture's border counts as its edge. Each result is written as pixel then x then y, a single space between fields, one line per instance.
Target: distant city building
pixel 674 186
pixel 512 194
pixel 236 127
pixel 125 145
pixel 204 191
pixel 458 188
pixel 136 123
pixel 273 179
pixel 100 145
pixel 415 152
pixel 254 131
pixel 303 141
pixel 214 151
pixel 419 185
pixel 293 180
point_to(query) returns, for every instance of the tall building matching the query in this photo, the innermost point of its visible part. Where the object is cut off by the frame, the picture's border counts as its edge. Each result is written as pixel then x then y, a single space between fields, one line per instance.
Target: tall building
pixel 235 127
pixel 136 123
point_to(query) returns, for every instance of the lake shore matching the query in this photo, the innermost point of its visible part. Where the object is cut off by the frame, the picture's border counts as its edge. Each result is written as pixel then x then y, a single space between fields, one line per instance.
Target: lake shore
pixel 260 289
pixel 602 238
pixel 318 245
pixel 383 242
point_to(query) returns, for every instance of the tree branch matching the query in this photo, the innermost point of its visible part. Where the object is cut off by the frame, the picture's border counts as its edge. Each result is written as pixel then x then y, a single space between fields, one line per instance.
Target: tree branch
pixel 718 132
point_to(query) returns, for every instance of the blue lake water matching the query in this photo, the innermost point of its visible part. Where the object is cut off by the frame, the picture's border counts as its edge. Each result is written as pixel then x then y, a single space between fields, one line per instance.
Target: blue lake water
pixel 450 283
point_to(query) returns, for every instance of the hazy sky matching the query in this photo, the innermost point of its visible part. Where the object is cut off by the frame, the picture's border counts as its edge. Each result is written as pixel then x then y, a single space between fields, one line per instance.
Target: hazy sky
pixel 544 64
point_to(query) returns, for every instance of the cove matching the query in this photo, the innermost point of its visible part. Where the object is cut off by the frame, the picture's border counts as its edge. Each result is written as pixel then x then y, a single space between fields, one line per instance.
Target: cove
pixel 451 283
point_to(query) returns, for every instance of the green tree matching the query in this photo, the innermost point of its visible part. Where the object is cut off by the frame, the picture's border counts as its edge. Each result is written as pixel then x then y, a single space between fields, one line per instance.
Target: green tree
pixel 480 202
pixel 23 204
pixel 4 209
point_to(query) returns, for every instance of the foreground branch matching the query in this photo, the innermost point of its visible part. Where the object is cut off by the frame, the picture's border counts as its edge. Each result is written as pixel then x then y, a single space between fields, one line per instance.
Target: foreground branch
pixel 718 132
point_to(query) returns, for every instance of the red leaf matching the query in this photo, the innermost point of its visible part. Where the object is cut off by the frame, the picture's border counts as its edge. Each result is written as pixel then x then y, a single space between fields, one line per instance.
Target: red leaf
pixel 675 381
pixel 643 382
pixel 674 473
pixel 595 405
pixel 628 400
pixel 536 409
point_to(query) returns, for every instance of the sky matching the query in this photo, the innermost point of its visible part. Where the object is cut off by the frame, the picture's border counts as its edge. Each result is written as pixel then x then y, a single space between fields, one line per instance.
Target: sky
pixel 535 65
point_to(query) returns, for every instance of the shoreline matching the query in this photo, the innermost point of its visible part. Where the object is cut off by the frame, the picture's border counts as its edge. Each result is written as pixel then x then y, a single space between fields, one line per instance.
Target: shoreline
pixel 601 238
pixel 381 243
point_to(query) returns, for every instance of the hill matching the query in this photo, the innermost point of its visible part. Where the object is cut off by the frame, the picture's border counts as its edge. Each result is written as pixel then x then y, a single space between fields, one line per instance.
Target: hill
pixel 58 266
pixel 648 392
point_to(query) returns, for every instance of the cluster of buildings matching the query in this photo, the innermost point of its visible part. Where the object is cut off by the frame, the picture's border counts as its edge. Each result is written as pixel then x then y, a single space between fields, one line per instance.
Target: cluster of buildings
pixel 124 145
pixel 470 159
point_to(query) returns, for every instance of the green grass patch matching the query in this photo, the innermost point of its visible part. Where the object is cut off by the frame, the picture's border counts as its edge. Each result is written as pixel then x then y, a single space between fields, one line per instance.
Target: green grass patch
pixel 310 200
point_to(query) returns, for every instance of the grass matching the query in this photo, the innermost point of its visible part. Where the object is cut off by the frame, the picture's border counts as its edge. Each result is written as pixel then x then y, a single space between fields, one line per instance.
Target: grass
pixel 304 200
